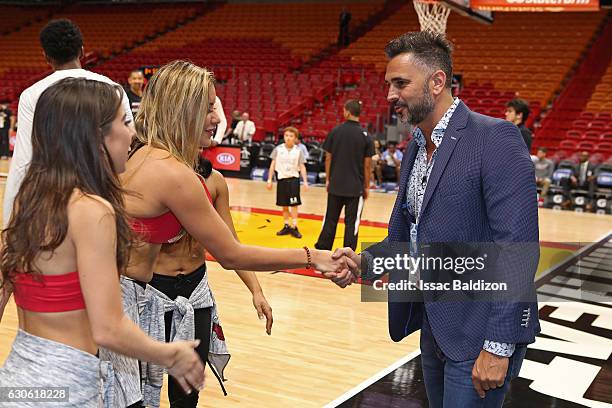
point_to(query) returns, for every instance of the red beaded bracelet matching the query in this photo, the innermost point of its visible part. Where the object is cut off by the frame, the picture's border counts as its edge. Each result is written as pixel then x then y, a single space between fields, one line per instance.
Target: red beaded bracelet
pixel 308 258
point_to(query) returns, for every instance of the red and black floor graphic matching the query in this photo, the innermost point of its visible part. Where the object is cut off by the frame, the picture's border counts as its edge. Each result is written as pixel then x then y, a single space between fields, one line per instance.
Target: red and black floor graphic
pixel 568 366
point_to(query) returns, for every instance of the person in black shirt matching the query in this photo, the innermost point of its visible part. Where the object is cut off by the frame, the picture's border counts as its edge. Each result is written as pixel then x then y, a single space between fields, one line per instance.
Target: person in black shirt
pixel 517 112
pixel 583 178
pixel 134 92
pixel 7 122
pixel 343 32
pixel 229 133
pixel 349 150
pixel 235 119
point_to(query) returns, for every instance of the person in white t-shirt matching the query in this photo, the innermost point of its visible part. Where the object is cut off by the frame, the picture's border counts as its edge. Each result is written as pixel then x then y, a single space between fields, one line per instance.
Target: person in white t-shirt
pixel 289 163
pixel 62 44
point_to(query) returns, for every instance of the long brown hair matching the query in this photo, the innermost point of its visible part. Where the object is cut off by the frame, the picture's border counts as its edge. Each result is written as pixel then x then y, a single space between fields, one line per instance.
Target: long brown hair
pixel 71 119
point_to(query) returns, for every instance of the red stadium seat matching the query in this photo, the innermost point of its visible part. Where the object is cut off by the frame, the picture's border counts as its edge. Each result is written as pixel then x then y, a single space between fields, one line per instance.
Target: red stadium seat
pixel 596 158
pixel 567 144
pixel 586 145
pixel 580 124
pixel 587 115
pixel 604 116
pixel 598 124
pixel 605 147
pixel 592 135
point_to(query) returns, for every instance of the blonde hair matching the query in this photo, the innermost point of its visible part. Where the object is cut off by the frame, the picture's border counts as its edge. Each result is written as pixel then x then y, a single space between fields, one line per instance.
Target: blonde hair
pixel 173 110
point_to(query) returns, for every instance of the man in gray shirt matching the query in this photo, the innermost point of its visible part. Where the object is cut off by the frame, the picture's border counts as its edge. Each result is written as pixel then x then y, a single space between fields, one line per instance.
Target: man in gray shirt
pixel 544 169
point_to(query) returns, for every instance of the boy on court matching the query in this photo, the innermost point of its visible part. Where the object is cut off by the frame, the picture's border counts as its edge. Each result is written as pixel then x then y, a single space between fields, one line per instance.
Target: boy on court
pixel 288 161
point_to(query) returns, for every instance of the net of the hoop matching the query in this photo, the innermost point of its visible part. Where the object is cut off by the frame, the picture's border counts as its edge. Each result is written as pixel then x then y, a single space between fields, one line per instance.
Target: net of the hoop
pixel 432 15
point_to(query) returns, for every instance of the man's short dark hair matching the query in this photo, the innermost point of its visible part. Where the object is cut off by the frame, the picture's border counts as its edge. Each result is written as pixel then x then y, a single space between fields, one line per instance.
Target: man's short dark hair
pixel 391 143
pixel 353 106
pixel 61 40
pixel 520 106
pixel 432 50
pixel 543 149
pixel 137 71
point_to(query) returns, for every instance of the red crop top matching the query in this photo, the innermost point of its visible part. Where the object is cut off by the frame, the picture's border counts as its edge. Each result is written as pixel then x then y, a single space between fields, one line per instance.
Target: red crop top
pixel 48 293
pixel 164 228
pixel 62 293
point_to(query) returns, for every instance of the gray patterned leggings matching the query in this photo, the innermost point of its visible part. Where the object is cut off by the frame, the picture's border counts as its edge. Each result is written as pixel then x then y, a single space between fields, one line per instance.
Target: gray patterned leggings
pixel 38 362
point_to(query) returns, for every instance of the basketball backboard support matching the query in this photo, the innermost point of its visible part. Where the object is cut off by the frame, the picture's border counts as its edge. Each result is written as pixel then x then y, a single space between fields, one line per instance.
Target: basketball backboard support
pixel 463 7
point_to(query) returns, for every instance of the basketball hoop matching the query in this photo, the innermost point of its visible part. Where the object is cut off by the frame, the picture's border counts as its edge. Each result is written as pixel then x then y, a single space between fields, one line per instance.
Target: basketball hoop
pixel 432 15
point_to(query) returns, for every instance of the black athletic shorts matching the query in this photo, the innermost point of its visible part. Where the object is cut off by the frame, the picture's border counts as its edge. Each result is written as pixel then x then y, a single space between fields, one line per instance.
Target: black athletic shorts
pixel 288 192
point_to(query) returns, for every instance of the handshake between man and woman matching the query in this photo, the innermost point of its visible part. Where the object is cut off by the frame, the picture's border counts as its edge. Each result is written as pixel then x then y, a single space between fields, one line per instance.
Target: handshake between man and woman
pixel 345 267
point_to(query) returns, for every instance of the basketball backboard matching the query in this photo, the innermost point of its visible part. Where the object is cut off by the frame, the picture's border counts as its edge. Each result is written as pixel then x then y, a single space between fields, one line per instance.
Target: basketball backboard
pixel 463 7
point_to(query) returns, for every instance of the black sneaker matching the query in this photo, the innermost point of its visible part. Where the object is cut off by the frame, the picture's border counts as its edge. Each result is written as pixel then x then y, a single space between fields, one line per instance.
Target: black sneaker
pixel 285 231
pixel 295 232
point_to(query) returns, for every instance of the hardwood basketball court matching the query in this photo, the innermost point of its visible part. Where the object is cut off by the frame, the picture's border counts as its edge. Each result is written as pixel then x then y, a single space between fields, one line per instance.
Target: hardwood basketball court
pixel 325 341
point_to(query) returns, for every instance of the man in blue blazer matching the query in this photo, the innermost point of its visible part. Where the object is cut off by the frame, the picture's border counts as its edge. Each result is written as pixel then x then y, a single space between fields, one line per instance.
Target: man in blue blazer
pixel 465 178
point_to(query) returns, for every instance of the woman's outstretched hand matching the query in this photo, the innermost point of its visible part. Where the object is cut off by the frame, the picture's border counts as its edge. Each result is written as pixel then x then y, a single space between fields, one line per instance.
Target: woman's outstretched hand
pixel 336 267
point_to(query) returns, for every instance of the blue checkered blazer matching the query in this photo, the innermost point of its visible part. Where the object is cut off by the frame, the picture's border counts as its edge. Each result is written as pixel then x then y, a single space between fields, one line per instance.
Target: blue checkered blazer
pixel 481 189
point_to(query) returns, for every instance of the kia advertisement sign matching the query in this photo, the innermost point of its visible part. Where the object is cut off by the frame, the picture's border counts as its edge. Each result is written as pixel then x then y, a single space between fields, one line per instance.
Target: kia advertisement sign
pixel 226 159
pixel 223 158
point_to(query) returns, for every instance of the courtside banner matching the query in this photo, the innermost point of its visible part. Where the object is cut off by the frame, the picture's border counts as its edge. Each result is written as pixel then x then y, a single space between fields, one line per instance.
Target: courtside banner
pixel 224 158
pixel 535 5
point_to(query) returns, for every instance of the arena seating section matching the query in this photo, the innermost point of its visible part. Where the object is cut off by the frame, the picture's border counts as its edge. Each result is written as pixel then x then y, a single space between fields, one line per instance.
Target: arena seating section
pixel 278 61
pixel 15 17
pixel 107 30
pixel 254 51
pixel 581 119
pixel 521 53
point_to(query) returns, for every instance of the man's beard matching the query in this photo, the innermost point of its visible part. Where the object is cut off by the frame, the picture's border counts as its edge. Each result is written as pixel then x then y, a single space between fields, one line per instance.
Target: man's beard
pixel 420 110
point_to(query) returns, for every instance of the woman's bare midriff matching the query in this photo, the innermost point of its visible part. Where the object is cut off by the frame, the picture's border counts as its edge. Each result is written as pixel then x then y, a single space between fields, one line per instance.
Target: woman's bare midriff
pixel 142 261
pixel 173 259
pixel 70 328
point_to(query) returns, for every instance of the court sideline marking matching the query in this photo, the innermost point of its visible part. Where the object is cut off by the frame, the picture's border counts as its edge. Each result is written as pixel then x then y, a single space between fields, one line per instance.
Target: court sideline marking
pixel 365 384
